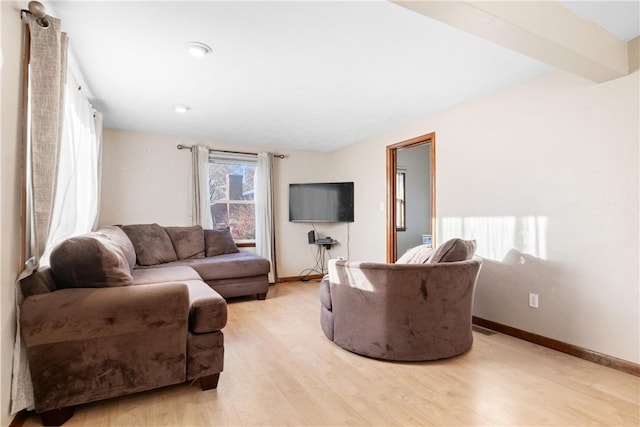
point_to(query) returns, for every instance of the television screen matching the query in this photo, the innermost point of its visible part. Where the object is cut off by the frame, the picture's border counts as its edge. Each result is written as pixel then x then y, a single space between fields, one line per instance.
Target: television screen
pixel 321 202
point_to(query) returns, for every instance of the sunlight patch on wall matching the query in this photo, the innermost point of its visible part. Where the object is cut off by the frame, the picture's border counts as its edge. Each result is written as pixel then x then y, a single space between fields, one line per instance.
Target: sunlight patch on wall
pixel 496 235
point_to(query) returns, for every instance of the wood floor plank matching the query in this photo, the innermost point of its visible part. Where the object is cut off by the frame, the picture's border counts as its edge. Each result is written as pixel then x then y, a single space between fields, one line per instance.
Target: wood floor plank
pixel 280 370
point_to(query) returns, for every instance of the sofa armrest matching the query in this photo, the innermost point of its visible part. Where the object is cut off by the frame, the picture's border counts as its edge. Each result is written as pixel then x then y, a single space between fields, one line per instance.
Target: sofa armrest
pixel 83 313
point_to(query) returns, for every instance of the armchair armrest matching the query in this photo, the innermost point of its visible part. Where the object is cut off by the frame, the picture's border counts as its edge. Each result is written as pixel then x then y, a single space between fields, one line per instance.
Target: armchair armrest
pixel 83 313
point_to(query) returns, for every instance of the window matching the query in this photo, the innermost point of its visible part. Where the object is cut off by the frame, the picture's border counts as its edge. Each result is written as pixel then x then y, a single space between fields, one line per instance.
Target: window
pixel 232 196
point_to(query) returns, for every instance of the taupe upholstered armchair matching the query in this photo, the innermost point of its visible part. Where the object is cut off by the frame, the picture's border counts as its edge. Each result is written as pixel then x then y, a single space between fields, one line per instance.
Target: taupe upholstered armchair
pixel 404 312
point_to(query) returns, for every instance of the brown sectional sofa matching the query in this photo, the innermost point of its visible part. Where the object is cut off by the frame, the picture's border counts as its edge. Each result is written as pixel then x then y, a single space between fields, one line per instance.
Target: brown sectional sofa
pixel 119 312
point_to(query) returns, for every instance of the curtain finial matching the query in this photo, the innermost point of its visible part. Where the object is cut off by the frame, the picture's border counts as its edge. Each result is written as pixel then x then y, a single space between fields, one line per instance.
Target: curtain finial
pixel 38 10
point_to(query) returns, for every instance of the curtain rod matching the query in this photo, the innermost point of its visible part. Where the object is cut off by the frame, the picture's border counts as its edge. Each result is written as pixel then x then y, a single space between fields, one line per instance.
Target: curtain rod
pixel 186 147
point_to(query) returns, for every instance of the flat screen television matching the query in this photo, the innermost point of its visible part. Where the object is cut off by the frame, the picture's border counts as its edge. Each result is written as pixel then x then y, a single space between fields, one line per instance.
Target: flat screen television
pixel 321 202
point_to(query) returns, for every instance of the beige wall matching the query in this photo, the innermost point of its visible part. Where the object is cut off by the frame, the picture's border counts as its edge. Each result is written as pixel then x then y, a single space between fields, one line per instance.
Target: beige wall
pixel 10 155
pixel 145 178
pixel 548 168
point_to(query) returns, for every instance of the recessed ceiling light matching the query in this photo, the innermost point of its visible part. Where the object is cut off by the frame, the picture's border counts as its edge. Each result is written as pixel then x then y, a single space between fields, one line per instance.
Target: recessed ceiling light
pixel 181 108
pixel 198 49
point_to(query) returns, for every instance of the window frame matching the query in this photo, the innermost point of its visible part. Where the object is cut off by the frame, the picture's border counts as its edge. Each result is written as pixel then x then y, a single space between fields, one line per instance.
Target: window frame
pixel 224 158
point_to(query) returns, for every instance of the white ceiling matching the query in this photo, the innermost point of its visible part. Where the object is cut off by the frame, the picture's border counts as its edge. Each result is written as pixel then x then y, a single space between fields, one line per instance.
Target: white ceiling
pixel 308 75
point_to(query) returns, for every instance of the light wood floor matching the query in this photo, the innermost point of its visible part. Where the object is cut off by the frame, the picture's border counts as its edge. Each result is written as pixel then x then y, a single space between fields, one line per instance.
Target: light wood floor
pixel 281 370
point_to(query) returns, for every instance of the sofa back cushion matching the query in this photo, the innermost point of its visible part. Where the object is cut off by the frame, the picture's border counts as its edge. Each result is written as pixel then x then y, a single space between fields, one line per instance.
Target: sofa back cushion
pixel 151 242
pixel 188 242
pixel 92 260
pixel 219 242
pixel 117 236
pixel 453 250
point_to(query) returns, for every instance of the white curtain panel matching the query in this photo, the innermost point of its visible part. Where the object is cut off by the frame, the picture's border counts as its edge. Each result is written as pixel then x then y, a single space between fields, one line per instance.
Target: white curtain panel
pixel 201 193
pixel 75 209
pixel 263 186
pixel 43 119
pixel 97 124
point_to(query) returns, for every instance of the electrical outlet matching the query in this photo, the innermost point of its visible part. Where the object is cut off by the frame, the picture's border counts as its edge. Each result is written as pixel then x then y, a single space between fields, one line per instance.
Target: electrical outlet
pixel 533 300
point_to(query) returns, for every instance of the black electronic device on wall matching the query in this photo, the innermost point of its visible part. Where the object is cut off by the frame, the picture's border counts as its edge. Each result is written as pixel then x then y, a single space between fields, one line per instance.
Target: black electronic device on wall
pixel 311 236
pixel 321 202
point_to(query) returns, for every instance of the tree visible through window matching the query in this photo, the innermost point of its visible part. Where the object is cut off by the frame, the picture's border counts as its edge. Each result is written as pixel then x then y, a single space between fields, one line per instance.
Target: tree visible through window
pixel 232 199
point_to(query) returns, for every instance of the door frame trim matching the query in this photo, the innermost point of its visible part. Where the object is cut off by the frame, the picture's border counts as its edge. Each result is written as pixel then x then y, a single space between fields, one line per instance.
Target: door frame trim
pixel 392 163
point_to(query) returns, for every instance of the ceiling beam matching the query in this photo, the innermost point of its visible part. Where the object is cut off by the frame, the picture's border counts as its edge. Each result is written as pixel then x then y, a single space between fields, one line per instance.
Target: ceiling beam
pixel 543 30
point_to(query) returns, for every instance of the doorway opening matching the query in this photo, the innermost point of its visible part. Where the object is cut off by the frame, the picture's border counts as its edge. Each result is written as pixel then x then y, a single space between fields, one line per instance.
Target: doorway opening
pixel 411 185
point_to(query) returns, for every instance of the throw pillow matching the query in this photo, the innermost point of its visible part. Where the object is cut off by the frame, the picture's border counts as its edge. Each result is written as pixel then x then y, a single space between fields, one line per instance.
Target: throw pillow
pixel 151 242
pixel 453 250
pixel 219 242
pixel 188 242
pixel 89 261
pixel 418 255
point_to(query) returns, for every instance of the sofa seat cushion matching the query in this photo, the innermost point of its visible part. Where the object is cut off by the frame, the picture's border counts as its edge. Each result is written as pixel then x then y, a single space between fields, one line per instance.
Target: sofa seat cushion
pixel 228 266
pixel 208 310
pixel 93 260
pixel 163 273
pixel 188 242
pixel 151 242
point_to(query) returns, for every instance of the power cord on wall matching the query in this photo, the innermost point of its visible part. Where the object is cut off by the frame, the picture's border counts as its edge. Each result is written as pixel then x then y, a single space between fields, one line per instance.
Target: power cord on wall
pixel 319 258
